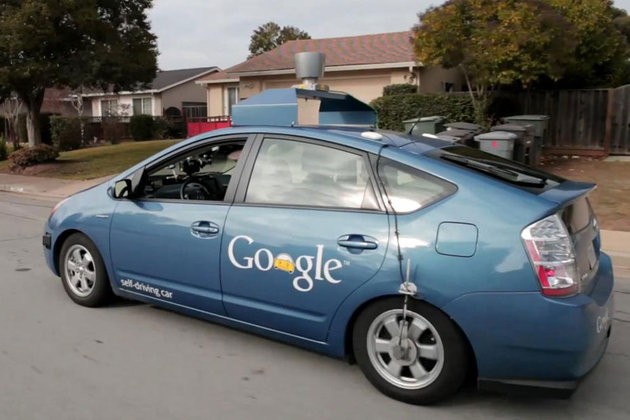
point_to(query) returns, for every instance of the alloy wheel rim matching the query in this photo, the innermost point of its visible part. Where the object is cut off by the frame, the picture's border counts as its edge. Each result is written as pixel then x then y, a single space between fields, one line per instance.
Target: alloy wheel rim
pixel 420 365
pixel 80 270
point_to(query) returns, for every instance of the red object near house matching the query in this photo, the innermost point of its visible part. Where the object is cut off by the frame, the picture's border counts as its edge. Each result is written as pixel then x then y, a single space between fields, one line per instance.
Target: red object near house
pixel 203 125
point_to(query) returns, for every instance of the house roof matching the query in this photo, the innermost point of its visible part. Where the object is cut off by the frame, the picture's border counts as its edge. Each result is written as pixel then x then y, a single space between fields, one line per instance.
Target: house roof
pixel 373 50
pixel 170 78
pixel 164 80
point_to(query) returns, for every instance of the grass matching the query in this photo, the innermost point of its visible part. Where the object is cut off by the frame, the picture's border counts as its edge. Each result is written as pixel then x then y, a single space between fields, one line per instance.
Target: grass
pixel 96 162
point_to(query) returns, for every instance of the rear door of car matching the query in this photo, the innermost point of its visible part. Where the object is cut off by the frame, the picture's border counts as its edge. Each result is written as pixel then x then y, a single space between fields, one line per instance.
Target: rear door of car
pixel 306 229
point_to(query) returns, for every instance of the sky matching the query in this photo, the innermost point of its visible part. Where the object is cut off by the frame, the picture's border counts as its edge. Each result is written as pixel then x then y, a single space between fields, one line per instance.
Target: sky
pixel 201 33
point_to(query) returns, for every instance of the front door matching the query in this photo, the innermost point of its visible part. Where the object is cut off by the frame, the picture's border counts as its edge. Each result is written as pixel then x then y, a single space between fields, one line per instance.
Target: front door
pixel 307 232
pixel 166 243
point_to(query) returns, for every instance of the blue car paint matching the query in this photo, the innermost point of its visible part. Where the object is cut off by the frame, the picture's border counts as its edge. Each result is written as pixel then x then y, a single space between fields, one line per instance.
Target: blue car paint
pixel 496 279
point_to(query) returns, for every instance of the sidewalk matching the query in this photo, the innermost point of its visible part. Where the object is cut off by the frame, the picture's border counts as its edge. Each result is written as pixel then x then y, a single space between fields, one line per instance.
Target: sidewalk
pixel 617 245
pixel 45 187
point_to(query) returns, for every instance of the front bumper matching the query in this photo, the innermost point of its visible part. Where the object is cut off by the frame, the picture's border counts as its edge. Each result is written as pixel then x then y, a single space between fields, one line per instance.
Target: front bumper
pixel 526 340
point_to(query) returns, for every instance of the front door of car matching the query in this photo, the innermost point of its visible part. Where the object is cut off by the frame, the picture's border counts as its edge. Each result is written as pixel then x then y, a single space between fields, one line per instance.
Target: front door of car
pixel 166 242
pixel 305 232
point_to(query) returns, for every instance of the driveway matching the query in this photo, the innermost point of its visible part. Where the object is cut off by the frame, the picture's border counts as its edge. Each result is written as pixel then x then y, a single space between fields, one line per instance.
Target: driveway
pixel 60 360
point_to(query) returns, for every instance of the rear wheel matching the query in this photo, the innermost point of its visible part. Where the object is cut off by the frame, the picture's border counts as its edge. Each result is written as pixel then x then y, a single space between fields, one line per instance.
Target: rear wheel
pixel 426 366
pixel 83 273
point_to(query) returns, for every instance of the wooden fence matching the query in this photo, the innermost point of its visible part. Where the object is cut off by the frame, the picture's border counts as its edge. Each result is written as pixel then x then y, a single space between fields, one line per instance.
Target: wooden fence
pixel 588 122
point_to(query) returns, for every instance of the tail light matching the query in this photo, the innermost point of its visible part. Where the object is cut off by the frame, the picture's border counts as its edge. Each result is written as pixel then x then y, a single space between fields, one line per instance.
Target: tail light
pixel 550 249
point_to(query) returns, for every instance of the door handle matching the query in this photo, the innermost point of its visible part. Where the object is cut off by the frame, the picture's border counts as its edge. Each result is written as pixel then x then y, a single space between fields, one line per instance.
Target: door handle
pixel 204 229
pixel 357 242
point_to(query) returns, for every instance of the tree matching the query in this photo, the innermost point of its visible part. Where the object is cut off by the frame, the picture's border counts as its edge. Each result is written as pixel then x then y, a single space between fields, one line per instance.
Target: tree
pixel 601 54
pixel 72 43
pixel 270 35
pixel 10 108
pixel 494 43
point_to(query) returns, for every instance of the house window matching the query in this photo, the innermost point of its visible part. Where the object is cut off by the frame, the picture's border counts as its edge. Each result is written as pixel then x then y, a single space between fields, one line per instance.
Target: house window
pixel 232 98
pixel 195 109
pixel 109 107
pixel 142 106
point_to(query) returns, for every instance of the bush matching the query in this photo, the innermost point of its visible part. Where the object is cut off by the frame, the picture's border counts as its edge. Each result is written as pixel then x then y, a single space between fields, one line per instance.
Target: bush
pixel 142 127
pixel 66 133
pixel 400 89
pixel 4 151
pixel 392 110
pixel 29 156
pixel 113 129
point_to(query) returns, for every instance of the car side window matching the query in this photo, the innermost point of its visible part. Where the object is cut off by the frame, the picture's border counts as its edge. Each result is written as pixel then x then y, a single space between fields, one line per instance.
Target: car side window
pixel 200 174
pixel 410 189
pixel 290 172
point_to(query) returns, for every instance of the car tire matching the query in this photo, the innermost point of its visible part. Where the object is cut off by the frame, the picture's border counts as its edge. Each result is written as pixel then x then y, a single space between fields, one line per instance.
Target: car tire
pixel 435 364
pixel 83 272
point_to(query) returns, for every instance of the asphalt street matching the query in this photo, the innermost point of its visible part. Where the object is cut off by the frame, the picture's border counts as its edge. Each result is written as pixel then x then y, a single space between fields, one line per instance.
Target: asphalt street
pixel 59 360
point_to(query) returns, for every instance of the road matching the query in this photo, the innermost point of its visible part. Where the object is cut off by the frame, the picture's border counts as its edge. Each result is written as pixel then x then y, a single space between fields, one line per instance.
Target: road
pixel 59 360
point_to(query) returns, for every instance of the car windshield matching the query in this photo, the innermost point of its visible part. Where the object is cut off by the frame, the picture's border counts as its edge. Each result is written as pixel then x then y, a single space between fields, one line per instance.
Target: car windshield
pixel 508 171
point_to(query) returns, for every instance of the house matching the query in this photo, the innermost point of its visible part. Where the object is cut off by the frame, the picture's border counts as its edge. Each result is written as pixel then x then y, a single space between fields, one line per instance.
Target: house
pixel 173 93
pixel 360 65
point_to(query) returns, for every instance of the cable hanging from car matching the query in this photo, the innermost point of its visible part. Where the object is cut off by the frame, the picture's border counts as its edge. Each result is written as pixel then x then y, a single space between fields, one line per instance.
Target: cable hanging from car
pixel 407 288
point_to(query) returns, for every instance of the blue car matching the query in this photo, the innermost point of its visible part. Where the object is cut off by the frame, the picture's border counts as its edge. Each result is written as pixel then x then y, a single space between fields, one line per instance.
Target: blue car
pixel 423 261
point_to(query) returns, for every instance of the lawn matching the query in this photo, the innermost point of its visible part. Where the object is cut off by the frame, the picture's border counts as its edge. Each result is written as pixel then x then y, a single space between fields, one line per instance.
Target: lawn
pixel 96 162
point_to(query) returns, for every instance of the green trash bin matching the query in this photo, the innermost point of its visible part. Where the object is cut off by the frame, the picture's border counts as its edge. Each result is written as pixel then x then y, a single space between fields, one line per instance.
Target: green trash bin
pixel 539 123
pixel 419 126
pixel 461 125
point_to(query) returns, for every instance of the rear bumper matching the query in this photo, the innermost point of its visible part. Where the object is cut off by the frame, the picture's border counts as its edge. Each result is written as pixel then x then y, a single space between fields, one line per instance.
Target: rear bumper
pixel 529 387
pixel 526 340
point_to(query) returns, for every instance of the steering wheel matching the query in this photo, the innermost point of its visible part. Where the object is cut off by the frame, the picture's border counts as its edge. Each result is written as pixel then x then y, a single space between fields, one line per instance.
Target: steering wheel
pixel 194 190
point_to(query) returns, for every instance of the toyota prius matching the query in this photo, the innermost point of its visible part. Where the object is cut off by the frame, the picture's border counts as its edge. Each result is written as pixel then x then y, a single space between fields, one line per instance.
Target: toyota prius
pixel 423 261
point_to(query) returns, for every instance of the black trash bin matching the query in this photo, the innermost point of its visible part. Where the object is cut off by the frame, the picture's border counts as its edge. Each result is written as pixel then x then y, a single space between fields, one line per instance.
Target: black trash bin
pixel 539 124
pixel 524 150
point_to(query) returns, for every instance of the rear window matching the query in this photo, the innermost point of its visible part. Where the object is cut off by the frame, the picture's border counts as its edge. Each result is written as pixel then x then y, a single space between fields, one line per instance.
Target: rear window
pixel 498 168
pixel 409 189
pixel 578 215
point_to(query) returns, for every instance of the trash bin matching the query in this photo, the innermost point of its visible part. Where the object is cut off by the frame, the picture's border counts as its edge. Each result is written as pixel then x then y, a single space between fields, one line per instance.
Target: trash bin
pixel 539 124
pixel 465 137
pixel 500 143
pixel 460 125
pixel 524 150
pixel 430 125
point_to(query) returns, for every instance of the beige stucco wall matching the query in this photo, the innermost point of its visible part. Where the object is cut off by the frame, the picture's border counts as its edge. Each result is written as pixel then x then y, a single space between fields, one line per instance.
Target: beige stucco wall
pixel 432 79
pixel 216 98
pixel 365 85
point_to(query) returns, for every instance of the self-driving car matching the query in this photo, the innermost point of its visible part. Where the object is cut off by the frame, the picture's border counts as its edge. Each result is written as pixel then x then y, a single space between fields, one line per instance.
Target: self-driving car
pixel 422 260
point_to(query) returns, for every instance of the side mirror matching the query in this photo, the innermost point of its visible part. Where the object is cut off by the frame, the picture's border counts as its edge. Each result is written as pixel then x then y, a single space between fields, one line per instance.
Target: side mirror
pixel 122 188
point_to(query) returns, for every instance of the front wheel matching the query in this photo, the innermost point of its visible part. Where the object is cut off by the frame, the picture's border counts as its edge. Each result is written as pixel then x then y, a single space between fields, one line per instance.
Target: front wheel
pixel 426 366
pixel 83 273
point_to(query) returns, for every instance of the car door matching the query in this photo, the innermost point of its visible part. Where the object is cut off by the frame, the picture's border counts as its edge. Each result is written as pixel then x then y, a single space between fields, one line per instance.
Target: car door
pixel 166 242
pixel 305 231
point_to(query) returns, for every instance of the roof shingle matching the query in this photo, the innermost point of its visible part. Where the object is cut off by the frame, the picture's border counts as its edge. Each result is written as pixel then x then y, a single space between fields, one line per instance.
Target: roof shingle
pixel 393 47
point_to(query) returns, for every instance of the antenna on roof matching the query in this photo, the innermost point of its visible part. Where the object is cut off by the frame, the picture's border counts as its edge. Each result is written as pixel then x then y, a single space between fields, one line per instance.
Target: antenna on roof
pixel 309 67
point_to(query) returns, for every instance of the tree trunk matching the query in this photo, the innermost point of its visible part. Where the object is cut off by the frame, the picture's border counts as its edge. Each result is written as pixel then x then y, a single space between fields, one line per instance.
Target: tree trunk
pixel 33 103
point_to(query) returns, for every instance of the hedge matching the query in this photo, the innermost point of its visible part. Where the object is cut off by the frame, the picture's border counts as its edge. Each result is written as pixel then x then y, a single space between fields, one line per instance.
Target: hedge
pixel 66 132
pixel 141 127
pixel 29 156
pixel 400 89
pixel 392 110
